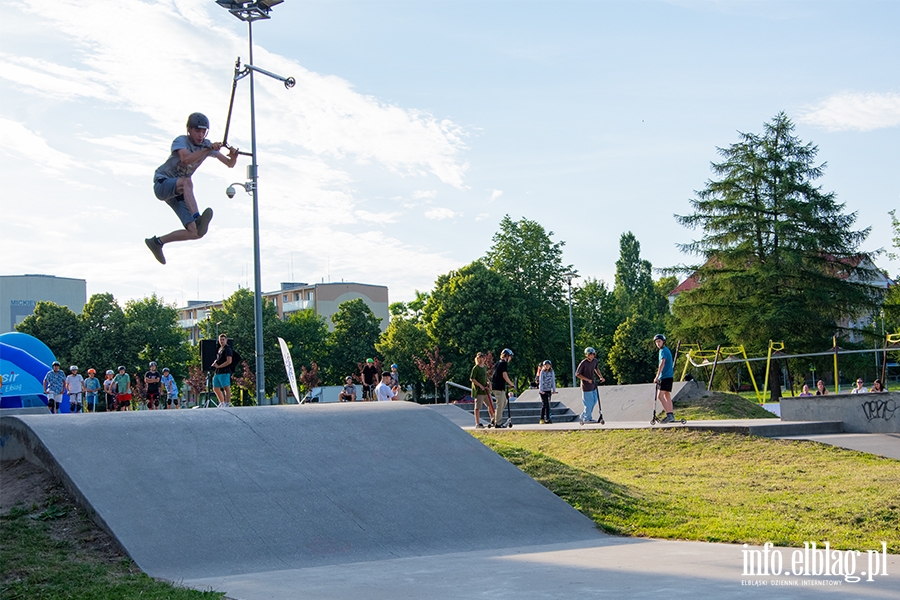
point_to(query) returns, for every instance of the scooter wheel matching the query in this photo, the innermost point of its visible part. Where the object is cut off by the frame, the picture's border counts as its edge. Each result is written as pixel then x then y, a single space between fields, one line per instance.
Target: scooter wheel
pixel 684 421
pixel 510 425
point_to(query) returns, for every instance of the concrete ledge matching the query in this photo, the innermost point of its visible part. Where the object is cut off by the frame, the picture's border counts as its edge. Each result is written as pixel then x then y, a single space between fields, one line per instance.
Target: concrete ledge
pixel 767 427
pixel 860 413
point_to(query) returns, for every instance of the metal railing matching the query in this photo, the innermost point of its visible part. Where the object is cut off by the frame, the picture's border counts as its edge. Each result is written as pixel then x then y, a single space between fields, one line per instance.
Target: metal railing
pixel 447 385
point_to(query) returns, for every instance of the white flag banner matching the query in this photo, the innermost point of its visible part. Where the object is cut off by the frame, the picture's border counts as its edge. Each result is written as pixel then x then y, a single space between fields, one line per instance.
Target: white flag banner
pixel 289 367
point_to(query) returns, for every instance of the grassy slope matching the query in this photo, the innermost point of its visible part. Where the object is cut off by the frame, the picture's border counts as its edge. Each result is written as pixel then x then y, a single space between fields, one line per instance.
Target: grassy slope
pixel 723 488
pixel 50 552
pixel 721 405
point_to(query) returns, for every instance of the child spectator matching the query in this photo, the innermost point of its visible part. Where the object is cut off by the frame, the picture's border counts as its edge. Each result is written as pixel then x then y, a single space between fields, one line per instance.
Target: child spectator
pixel 546 388
pixel 168 384
pixel 91 387
pixel 75 389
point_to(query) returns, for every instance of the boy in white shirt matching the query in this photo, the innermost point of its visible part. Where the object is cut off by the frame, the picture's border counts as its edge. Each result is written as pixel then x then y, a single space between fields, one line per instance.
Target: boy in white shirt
pixel 75 389
pixel 383 391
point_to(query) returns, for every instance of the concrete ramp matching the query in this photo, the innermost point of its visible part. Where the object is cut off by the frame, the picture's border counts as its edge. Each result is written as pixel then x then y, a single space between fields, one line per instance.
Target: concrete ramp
pixel 633 403
pixel 206 493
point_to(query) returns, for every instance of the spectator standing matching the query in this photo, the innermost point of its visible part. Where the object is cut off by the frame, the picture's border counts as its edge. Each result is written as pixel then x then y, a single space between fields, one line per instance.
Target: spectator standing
pixel 546 388
pixel 383 391
pixel 805 391
pixel 151 379
pixel 170 387
pixel 395 379
pixel 109 387
pixel 665 377
pixel 224 368
pixel 587 369
pixel 480 391
pixel 370 379
pixel 820 388
pixel 859 389
pixel 91 389
pixel 75 389
pixel 499 381
pixel 54 383
pixel 123 390
pixel 348 392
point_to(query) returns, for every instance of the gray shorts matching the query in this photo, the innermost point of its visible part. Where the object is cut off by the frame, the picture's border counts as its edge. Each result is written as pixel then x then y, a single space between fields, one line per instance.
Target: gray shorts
pixel 165 191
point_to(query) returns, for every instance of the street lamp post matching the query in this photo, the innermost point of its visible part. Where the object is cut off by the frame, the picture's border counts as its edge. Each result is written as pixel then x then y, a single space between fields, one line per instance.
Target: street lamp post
pixel 250 12
pixel 569 277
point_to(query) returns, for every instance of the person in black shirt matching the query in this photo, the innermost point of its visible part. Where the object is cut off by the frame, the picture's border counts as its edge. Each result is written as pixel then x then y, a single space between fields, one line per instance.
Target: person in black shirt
pixel 151 378
pixel 371 376
pixel 224 369
pixel 499 381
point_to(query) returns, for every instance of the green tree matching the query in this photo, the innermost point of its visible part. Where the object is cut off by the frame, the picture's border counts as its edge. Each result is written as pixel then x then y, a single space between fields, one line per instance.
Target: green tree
pixel 57 326
pixel 596 317
pixel 634 291
pixel 103 344
pixel 237 321
pixel 632 358
pixel 401 343
pixel 777 250
pixel 356 329
pixel 306 334
pixel 474 310
pixel 525 253
pixel 152 333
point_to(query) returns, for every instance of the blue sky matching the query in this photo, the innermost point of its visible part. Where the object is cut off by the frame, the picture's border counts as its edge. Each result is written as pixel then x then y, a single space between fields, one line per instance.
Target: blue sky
pixel 416 125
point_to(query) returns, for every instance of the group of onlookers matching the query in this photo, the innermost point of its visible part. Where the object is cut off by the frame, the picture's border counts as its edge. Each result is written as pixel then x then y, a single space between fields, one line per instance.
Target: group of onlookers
pixel 860 388
pixel 85 393
pixel 374 388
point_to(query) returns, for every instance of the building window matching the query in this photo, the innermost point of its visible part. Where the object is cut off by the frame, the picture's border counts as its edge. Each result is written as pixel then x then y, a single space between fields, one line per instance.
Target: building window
pixel 297 297
pixel 309 295
pixel 284 298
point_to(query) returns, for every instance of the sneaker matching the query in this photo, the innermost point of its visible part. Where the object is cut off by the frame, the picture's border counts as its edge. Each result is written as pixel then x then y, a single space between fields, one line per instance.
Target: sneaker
pixel 156 248
pixel 203 222
pixel 542 422
pixel 549 422
pixel 581 420
pixel 479 426
pixel 670 418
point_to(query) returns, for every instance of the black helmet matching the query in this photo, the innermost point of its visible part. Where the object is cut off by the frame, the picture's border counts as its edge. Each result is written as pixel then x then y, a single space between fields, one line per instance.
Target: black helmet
pixel 659 336
pixel 197 121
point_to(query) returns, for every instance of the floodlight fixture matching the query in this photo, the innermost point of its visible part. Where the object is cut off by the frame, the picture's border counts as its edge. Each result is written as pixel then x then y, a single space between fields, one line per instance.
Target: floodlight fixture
pixel 249 11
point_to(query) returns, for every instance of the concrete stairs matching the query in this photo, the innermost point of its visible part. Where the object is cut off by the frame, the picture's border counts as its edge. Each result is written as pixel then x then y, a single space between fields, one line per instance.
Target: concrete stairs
pixel 526 412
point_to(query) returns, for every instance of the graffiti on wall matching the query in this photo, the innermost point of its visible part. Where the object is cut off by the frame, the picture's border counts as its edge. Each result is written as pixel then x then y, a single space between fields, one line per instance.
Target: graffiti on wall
pixel 879 409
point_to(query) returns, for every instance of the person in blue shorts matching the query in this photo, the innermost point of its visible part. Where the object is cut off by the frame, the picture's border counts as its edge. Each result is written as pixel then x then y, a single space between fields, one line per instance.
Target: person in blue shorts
pixel 665 376
pixel 224 369
pixel 173 185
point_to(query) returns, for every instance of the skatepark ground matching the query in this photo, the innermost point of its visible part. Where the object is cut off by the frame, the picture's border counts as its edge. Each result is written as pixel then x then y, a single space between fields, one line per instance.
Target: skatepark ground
pixel 376 500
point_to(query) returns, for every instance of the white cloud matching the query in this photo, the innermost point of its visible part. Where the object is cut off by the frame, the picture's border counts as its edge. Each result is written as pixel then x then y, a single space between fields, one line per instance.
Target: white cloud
pixel 423 194
pixel 495 194
pixel 379 218
pixel 482 216
pixel 16 139
pixel 860 111
pixel 439 214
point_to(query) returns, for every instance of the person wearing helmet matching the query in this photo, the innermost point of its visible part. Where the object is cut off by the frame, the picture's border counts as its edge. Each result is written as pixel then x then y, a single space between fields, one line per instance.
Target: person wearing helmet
pixel 370 378
pixel 348 392
pixel 122 385
pixel 54 383
pixel 499 381
pixel 665 376
pixel 151 380
pixel 395 378
pixel 173 185
pixel 587 369
pixel 109 387
pixel 91 387
pixel 168 384
pixel 75 389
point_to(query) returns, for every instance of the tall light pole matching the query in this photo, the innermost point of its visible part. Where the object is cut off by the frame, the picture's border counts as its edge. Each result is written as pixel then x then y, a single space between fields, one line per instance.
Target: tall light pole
pixel 250 12
pixel 569 277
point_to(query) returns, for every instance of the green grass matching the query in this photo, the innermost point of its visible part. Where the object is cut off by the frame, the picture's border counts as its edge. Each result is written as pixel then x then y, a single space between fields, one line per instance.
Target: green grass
pixel 35 563
pixel 680 484
pixel 721 405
